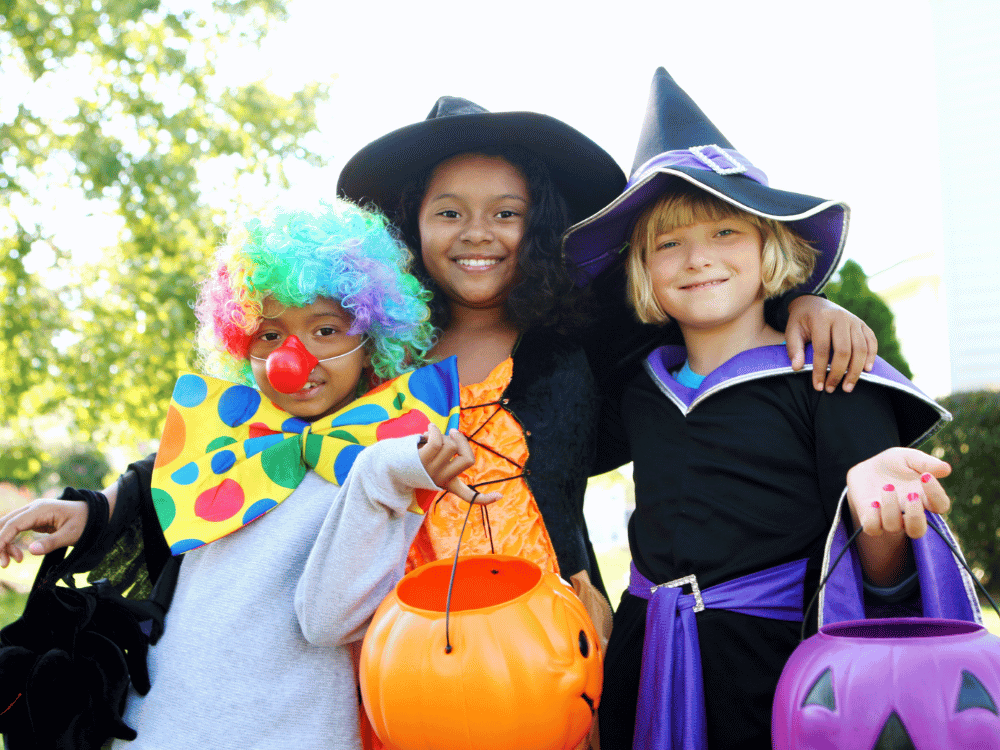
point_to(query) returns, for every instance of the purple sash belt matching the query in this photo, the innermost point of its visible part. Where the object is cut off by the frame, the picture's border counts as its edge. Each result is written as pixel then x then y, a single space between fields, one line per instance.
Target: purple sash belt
pixel 671 710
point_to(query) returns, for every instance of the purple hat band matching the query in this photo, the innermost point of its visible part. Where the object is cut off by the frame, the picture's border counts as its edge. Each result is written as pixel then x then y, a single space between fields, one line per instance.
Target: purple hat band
pixel 707 158
pixel 593 244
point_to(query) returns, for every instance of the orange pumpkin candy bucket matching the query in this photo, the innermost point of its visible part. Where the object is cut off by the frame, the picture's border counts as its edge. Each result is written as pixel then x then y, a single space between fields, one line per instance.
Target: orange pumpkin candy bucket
pixel 512 661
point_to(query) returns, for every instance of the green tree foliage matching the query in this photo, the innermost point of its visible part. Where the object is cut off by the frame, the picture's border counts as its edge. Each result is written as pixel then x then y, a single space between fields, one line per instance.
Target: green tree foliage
pixel 80 467
pixel 971 444
pixel 851 291
pixel 39 469
pixel 98 346
pixel 22 463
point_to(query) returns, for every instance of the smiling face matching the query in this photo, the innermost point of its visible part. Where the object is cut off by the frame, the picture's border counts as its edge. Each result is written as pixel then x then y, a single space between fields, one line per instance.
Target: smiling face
pixel 322 326
pixel 472 220
pixel 707 274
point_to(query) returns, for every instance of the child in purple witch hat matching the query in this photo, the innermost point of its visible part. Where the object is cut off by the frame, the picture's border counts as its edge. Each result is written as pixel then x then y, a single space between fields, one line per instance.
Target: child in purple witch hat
pixel 739 464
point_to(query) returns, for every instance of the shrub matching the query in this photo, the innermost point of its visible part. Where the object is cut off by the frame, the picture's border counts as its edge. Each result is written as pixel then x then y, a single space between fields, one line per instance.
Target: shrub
pixel 850 290
pixel 971 444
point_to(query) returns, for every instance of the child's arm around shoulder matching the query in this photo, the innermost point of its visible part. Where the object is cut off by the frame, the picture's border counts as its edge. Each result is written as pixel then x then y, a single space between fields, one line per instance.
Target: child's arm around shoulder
pixel 360 551
pixel 839 338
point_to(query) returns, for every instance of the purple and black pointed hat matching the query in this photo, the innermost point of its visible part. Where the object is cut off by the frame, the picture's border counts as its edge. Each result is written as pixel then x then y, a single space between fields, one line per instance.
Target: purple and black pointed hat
pixel 586 175
pixel 678 142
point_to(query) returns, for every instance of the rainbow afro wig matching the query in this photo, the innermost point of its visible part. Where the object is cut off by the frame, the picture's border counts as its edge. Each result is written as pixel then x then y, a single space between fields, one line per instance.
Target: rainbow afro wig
pixel 341 252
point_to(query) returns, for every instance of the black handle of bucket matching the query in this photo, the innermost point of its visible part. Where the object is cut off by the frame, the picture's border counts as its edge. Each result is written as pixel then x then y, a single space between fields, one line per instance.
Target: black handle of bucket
pixel 854 536
pixel 454 565
pixel 451 580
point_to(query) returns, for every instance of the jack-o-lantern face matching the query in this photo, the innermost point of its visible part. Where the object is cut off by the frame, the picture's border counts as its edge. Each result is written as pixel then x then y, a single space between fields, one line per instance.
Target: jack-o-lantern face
pixel 524 669
pixel 901 684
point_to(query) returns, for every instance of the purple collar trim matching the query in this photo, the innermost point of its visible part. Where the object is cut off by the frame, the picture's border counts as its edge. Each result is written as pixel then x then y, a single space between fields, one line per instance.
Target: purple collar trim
pixel 751 364
pixel 917 415
pixel 707 158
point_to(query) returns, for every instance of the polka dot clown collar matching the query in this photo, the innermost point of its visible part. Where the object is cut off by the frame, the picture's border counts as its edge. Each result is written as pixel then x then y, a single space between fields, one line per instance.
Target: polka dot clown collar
pixel 228 455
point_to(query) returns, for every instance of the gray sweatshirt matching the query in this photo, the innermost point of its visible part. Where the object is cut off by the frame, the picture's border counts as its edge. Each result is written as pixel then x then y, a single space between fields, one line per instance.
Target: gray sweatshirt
pixel 255 653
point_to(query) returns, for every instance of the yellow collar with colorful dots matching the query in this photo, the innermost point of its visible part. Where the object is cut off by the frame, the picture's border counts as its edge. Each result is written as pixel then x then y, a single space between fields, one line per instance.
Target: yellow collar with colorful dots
pixel 228 455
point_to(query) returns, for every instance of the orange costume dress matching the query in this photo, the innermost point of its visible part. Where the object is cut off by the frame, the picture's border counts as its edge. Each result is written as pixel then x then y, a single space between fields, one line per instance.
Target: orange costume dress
pixel 511 526
pixel 532 426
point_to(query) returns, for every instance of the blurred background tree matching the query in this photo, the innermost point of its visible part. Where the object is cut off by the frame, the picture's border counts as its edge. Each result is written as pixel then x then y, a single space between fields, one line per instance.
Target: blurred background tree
pixel 113 109
pixel 850 290
pixel 971 444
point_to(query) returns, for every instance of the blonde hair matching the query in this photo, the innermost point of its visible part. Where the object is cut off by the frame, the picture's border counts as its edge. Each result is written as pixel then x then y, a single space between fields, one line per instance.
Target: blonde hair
pixel 786 259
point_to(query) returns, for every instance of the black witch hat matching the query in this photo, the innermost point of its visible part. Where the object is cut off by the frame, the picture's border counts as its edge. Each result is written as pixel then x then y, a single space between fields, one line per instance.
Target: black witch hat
pixel 678 142
pixel 584 173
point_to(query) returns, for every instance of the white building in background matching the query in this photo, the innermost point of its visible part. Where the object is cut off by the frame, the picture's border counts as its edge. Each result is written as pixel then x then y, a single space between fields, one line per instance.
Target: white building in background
pixel 967 52
pixel 914 292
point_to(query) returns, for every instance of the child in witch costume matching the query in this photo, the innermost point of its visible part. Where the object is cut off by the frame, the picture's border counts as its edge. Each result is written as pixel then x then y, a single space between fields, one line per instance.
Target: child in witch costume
pixel 291 493
pixel 739 464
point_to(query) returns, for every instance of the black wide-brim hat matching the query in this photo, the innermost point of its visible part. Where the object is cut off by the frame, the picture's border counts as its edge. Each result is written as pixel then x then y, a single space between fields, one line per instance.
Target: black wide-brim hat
pixel 584 173
pixel 678 142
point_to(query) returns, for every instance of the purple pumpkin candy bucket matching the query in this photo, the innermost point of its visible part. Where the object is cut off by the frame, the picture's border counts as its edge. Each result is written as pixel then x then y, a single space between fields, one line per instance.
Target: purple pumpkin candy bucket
pixel 894 684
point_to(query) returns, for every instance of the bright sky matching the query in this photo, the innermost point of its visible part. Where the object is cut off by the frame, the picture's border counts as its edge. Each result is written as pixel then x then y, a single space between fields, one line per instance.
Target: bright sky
pixel 836 100
pixel 832 99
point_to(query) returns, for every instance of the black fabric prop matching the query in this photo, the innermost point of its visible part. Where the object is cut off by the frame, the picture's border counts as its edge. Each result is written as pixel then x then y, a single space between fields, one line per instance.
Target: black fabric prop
pixel 132 553
pixel 66 663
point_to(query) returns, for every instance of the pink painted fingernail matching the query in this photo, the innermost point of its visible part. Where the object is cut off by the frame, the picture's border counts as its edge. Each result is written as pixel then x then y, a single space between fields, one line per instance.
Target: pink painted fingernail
pixel 925 478
pixel 888 488
pixel 913 496
pixel 876 504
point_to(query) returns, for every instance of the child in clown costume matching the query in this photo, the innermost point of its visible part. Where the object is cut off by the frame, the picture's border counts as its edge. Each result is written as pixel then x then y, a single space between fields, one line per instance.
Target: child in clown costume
pixel 268 609
pixel 291 493
pixel 739 465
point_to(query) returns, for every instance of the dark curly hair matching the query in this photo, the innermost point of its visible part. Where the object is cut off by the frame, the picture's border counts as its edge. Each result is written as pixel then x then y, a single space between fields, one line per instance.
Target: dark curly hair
pixel 545 293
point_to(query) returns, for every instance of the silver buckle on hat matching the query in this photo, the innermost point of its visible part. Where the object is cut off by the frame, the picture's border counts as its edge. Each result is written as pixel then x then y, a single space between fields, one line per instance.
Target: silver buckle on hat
pixel 715 158
pixel 699 603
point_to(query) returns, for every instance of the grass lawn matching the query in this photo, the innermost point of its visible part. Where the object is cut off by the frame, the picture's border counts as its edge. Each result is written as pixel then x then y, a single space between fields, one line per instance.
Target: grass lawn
pixel 11 605
pixel 990 618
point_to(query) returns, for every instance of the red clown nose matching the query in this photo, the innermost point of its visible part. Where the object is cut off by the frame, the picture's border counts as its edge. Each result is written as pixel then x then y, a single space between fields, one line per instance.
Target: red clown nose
pixel 288 366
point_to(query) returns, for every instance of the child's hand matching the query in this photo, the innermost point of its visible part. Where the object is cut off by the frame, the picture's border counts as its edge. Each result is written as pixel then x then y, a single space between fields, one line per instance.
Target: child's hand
pixel 445 457
pixel 62 520
pixel 830 328
pixel 888 492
